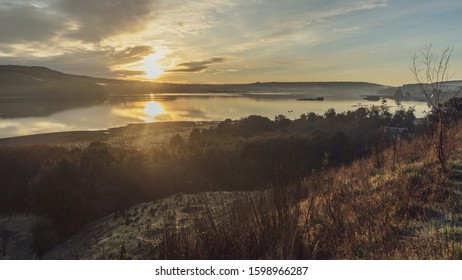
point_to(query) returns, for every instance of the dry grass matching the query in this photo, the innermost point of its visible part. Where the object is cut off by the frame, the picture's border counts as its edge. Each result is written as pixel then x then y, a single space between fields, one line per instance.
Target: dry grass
pixel 267 225
pixel 376 208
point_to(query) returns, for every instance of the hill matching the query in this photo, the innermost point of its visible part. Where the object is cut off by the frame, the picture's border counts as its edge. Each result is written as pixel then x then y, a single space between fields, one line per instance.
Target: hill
pixel 376 208
pixel 338 89
pixel 414 92
pixel 41 82
pixel 39 91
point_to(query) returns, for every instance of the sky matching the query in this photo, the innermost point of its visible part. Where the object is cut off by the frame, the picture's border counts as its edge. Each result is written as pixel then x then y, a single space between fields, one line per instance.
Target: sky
pixel 230 41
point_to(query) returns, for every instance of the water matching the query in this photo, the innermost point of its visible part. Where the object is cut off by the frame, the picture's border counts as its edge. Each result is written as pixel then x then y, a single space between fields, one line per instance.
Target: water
pixel 122 110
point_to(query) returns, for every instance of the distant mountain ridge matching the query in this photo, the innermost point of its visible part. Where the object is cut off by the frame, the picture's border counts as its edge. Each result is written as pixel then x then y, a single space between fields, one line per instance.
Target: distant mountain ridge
pixel 414 91
pixel 35 77
pixel 31 74
pixel 22 76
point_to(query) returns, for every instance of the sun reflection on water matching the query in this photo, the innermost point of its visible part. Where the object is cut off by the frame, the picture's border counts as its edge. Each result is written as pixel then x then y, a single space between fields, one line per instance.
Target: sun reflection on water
pixel 141 111
pixel 152 109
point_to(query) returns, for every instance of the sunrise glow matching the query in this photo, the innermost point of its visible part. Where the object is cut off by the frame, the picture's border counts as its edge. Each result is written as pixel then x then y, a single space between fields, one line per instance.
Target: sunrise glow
pixel 229 41
pixel 151 66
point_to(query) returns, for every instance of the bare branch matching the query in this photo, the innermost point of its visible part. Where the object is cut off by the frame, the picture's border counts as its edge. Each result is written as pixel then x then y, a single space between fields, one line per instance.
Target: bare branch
pixel 431 72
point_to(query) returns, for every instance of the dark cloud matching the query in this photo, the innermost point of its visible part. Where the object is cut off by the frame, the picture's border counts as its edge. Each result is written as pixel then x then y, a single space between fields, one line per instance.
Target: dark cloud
pixel 130 55
pixel 189 69
pixel 100 19
pixel 100 62
pixel 28 23
pixel 197 66
pixel 129 73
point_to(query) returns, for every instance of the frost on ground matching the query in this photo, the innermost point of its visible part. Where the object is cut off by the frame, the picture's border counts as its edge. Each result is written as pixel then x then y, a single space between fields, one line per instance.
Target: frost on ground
pixel 139 229
pixel 15 236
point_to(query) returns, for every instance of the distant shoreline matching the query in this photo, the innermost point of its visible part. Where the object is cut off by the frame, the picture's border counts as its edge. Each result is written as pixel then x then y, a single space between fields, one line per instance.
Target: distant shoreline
pixel 137 134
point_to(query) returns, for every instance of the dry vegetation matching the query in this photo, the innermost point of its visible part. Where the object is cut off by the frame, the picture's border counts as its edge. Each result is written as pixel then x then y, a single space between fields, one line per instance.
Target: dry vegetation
pixel 371 209
pixel 138 228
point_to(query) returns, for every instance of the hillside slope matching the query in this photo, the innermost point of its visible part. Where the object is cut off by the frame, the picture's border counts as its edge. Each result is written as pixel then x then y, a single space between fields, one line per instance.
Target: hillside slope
pixel 34 81
pixel 39 91
pixel 391 205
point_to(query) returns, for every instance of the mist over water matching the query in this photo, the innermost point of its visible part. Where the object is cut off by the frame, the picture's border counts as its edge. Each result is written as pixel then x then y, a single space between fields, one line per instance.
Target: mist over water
pixel 122 110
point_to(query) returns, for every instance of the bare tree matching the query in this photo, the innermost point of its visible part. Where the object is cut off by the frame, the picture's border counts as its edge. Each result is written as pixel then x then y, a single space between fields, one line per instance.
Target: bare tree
pixel 431 71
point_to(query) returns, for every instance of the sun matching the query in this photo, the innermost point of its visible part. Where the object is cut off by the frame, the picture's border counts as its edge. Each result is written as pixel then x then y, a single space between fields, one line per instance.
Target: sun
pixel 151 66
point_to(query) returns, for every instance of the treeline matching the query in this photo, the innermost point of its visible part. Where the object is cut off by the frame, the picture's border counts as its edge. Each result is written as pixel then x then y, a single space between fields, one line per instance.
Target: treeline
pixel 77 186
pixel 257 152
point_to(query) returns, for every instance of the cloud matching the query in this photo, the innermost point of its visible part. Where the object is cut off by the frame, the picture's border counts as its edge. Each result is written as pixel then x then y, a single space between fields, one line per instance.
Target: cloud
pixel 197 66
pixel 131 55
pixel 301 22
pixel 26 23
pixel 129 73
pixel 97 20
pixel 111 38
pixel 347 30
pixel 347 9
pixel 105 62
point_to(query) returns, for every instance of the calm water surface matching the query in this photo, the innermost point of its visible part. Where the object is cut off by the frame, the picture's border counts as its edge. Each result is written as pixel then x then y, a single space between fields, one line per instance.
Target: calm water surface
pixel 123 110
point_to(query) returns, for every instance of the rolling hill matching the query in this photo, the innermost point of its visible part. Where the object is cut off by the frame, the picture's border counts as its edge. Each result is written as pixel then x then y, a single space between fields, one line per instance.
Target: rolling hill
pixel 39 91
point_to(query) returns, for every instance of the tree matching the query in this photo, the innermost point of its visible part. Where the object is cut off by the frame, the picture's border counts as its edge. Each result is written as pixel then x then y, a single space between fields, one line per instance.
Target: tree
pixel 454 108
pixel 399 95
pixel 282 121
pixel 330 113
pixel 431 71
